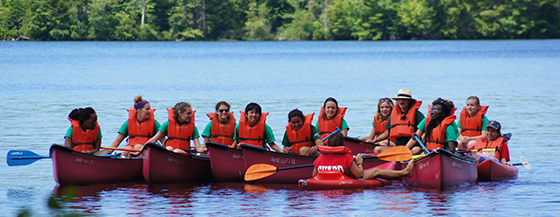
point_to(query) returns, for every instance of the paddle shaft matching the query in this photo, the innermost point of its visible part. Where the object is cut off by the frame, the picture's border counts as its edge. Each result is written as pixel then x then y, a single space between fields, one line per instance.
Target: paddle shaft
pixel 421 144
pixel 337 130
pixel 294 167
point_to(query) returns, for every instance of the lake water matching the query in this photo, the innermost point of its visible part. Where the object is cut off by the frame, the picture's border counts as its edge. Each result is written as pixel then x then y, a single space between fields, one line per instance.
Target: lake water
pixel 41 82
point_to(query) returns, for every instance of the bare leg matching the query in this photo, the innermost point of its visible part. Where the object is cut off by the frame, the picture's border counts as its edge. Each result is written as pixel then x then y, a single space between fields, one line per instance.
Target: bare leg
pixel 389 174
pixel 380 149
pixel 471 144
pixel 415 149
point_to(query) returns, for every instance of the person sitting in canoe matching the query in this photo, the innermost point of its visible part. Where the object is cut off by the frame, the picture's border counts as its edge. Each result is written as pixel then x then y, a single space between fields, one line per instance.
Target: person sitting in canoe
pixel 403 122
pixel 253 130
pixel 84 135
pixel 221 128
pixel 331 117
pixel 472 123
pixel 139 127
pixel 336 156
pixel 438 129
pixel 384 109
pixel 301 137
pixel 180 130
pixel 495 140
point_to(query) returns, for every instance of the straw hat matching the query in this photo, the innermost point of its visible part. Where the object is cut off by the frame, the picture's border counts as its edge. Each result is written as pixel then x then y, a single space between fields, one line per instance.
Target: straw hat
pixel 404 94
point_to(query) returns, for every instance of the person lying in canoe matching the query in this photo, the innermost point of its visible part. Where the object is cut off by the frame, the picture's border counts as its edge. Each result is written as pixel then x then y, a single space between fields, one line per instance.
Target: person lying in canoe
pixel 331 117
pixel 494 140
pixel 384 109
pixel 84 135
pixel 221 128
pixel 403 121
pixel 438 129
pixel 300 136
pixel 253 130
pixel 139 127
pixel 180 130
pixel 336 156
pixel 472 123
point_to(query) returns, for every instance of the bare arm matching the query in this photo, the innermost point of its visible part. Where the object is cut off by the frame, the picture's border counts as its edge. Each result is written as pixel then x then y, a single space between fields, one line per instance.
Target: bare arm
pixel 156 137
pixel 314 172
pixel 234 144
pixel 68 142
pixel 356 169
pixel 369 138
pixel 199 147
pixel 345 132
pixel 412 140
pixel 206 139
pixel 275 147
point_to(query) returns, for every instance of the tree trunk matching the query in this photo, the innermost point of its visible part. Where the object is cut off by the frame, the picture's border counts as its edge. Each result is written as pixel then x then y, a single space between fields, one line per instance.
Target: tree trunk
pixel 143 13
pixel 204 18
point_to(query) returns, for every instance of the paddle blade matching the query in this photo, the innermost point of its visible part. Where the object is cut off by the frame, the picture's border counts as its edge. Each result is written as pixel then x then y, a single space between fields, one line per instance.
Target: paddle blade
pixel 259 171
pixel 525 163
pixel 22 157
pixel 397 153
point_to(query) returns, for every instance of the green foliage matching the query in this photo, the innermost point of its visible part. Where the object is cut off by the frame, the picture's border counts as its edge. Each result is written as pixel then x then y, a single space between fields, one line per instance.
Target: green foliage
pixel 186 20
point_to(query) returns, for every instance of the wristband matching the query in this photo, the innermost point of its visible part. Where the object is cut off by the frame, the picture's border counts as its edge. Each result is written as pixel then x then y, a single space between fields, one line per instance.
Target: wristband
pixel 359 164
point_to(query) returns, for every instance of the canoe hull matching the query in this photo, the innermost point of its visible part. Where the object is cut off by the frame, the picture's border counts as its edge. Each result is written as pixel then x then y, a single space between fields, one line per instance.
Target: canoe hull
pixel 441 169
pixel 492 170
pixel 258 155
pixel 228 164
pixel 75 168
pixel 327 180
pixel 358 146
pixel 163 166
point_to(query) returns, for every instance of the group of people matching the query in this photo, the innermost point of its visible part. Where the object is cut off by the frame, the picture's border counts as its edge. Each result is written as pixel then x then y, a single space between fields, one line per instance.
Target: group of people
pixel 391 127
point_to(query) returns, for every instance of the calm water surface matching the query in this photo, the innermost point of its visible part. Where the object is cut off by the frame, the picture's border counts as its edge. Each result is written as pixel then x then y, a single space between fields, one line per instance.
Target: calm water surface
pixel 41 82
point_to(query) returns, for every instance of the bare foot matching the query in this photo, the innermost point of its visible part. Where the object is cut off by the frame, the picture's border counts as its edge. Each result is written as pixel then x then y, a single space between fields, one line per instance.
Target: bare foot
pixel 409 168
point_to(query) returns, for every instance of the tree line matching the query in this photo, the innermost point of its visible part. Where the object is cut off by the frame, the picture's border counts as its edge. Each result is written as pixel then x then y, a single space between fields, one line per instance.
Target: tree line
pixel 199 20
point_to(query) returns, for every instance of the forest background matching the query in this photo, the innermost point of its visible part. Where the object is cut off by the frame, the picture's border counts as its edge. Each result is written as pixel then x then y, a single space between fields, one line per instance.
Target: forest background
pixel 255 20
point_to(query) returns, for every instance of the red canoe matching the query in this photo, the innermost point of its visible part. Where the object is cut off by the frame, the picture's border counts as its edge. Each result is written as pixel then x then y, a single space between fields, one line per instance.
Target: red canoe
pixel 163 166
pixel 75 168
pixel 492 170
pixel 258 155
pixel 358 146
pixel 441 169
pixel 326 180
pixel 227 163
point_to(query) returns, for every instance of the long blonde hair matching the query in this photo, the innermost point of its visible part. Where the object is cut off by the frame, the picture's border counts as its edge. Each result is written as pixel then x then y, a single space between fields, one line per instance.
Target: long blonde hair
pixel 378 116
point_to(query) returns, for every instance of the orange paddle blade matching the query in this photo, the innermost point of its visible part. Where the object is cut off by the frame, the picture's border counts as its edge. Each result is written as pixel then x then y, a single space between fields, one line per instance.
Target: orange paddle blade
pixel 122 149
pixel 397 153
pixel 259 171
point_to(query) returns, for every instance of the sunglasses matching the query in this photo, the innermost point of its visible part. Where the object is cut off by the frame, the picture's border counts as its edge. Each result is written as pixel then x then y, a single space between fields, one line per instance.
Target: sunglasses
pixel 386 99
pixel 223 110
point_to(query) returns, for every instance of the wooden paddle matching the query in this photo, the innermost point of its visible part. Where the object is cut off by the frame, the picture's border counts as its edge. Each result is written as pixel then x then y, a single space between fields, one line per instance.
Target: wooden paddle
pixel 25 157
pixel 259 171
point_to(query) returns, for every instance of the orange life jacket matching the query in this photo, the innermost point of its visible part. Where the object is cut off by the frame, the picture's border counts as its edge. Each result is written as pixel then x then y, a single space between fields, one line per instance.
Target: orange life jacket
pixel 437 137
pixel 379 127
pixel 482 143
pixel 140 133
pixel 222 133
pixel 404 127
pixel 179 136
pixel 252 135
pixel 334 149
pixel 301 137
pixel 83 140
pixel 325 126
pixel 472 126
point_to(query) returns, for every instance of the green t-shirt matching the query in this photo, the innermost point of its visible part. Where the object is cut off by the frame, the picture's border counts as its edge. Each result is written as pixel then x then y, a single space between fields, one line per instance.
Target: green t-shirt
pixel 165 126
pixel 403 140
pixel 69 133
pixel 451 132
pixel 343 124
pixel 124 128
pixel 484 122
pixel 268 134
pixel 208 129
pixel 314 132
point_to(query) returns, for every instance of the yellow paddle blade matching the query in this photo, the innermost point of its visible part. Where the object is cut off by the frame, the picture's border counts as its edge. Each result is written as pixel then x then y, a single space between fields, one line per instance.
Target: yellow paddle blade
pixel 259 171
pixel 397 153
